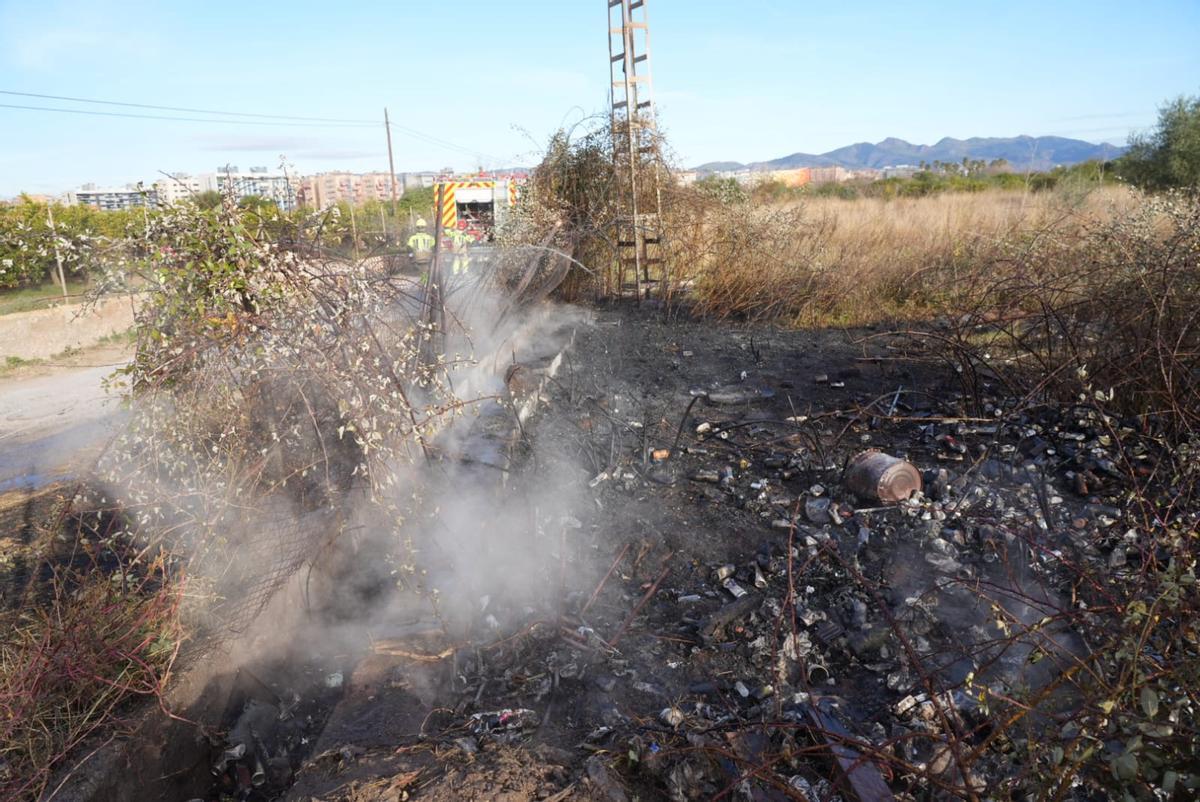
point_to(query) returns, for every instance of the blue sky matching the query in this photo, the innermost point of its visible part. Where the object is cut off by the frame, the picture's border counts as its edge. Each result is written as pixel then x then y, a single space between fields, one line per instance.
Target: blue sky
pixel 745 80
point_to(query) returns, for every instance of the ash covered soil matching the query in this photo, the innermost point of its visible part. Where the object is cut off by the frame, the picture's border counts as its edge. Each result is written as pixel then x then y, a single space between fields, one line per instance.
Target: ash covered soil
pixel 711 613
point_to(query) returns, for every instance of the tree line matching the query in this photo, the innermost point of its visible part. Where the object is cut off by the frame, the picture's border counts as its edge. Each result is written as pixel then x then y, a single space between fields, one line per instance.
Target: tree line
pixel 35 236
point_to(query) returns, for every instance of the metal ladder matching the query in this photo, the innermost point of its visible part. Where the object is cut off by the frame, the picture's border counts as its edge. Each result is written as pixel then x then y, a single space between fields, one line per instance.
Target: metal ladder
pixel 640 259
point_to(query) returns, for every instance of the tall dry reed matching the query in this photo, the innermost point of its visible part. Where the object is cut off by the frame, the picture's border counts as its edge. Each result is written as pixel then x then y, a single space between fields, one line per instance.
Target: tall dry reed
pixel 828 260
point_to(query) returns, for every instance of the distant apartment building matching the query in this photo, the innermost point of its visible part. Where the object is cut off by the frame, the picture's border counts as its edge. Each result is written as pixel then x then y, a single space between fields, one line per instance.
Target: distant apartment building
pixel 900 171
pixel 181 186
pixel 258 182
pixel 130 196
pixel 323 190
pixel 829 175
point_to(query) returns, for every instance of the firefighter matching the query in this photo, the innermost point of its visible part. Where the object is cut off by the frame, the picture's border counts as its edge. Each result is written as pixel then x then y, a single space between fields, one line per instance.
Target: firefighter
pixel 420 246
pixel 460 240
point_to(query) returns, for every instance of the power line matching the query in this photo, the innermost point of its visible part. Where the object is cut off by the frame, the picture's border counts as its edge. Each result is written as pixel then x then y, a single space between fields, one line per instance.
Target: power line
pixel 433 140
pixel 186 119
pixel 186 109
pixel 258 119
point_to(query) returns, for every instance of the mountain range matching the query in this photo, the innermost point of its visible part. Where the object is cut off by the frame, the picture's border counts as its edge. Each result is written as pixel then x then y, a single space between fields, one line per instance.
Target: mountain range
pixel 1021 152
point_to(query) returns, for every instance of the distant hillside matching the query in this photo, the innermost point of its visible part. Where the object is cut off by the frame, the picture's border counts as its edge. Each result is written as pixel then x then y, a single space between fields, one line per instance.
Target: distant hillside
pixel 1022 152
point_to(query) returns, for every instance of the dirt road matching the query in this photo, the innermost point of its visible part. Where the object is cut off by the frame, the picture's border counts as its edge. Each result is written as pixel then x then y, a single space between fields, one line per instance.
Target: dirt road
pixel 53 418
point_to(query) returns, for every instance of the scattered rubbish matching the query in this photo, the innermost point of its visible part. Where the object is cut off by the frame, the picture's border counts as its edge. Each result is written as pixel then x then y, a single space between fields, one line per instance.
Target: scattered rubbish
pixel 828 631
pixel 864 778
pixel 504 724
pixel 810 792
pixel 731 395
pixel 818 674
pixel 736 590
pixel 874 475
pixel 334 680
pixel 671 716
pixel 661 474
pixel 733 611
pixel 245 756
pixel 763 692
pixel 598 734
pixel 817 510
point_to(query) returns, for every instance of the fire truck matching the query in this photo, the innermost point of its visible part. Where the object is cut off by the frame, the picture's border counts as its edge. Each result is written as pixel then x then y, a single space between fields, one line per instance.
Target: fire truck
pixel 476 205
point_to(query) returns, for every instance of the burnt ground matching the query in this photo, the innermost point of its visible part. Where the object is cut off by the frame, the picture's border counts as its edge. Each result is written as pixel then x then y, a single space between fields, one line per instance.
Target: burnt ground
pixel 847 621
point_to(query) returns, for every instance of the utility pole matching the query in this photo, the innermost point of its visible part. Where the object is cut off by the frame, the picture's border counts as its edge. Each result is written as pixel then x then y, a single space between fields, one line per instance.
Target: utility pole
pixel 289 195
pixel 145 214
pixel 62 278
pixel 353 224
pixel 636 154
pixel 387 125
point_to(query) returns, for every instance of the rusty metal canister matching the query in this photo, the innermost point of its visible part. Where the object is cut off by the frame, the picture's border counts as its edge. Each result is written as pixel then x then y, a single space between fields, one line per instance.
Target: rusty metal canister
pixel 876 475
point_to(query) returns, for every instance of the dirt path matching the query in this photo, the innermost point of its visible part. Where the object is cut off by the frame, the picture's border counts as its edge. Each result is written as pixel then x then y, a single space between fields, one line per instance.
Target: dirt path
pixel 54 415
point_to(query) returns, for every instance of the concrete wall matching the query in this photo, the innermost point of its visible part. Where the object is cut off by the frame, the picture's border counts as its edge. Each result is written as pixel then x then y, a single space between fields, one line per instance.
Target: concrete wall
pixel 45 332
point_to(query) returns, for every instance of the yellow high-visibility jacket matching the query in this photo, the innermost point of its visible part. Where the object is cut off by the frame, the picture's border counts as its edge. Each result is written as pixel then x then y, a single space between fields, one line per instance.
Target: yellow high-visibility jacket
pixel 421 243
pixel 459 239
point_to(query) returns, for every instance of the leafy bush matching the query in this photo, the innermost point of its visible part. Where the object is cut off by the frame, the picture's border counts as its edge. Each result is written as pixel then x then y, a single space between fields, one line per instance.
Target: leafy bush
pixel 27 243
pixel 1168 156
pixel 728 190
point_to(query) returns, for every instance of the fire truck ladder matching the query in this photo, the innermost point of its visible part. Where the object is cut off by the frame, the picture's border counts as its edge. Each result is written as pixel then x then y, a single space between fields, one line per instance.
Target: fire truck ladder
pixel 641 262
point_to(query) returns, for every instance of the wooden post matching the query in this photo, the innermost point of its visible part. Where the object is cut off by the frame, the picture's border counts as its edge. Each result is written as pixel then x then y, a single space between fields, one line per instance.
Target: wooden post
pixel 387 124
pixel 62 278
pixel 353 224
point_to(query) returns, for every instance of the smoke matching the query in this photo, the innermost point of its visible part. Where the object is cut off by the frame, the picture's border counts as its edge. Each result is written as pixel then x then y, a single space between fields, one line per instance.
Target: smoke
pixel 310 548
pixel 495 504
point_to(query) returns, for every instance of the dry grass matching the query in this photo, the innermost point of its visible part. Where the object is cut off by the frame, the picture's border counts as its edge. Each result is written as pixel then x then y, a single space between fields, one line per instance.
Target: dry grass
pixel 72 664
pixel 858 261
